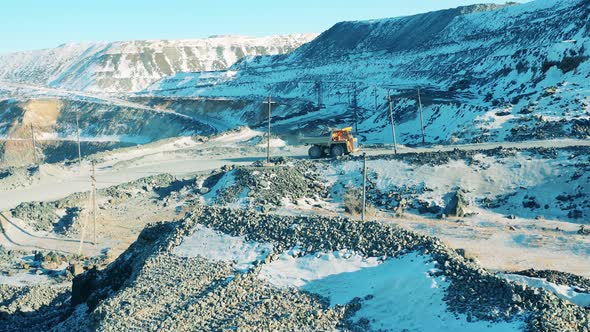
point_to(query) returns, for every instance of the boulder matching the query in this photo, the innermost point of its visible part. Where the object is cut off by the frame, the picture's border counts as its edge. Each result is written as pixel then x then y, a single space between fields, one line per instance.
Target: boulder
pixel 76 269
pixel 457 204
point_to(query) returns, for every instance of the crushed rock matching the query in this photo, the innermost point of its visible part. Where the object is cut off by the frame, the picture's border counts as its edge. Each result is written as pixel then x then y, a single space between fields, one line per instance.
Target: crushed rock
pixel 151 289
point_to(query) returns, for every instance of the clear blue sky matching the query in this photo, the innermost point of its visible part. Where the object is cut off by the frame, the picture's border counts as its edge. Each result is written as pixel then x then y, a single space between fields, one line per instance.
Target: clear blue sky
pixel 33 24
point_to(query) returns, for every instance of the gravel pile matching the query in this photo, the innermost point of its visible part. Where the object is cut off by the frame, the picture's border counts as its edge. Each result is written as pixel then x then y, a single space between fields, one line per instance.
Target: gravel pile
pixel 438 158
pixel 36 308
pixel 40 216
pixel 146 184
pixel 399 199
pixel 9 259
pixel 157 290
pixel 267 187
pixel 18 176
pixel 473 291
pixel 149 288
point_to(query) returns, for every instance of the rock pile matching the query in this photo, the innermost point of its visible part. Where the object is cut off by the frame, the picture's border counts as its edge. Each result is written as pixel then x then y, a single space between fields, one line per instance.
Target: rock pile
pixel 43 216
pixel 156 290
pixel 40 215
pixel 150 288
pixel 32 308
pixel 267 187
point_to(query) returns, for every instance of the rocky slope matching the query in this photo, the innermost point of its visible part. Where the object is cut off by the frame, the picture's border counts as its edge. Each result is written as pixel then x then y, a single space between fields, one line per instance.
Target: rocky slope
pixel 486 73
pixel 155 285
pixel 133 65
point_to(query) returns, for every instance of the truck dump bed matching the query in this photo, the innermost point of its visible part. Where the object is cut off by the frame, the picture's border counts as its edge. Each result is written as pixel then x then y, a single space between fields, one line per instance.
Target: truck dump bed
pixel 316 140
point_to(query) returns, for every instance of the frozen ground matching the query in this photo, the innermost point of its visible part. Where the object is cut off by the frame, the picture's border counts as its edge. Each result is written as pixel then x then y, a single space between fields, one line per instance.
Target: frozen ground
pixel 218 246
pixel 511 180
pixel 181 156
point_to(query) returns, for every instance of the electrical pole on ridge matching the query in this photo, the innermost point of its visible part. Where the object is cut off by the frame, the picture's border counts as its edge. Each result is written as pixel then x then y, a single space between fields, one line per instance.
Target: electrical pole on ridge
pixel 34 145
pixel 392 121
pixel 354 105
pixel 375 94
pixel 269 102
pixel 421 118
pixel 93 177
pixel 78 138
pixel 364 186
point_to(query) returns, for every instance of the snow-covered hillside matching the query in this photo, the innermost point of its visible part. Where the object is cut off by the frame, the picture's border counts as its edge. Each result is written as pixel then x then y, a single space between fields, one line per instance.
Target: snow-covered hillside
pixel 133 65
pixel 487 73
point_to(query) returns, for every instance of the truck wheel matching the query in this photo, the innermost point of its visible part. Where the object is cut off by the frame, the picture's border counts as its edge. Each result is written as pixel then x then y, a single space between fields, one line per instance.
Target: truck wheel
pixel 336 151
pixel 315 152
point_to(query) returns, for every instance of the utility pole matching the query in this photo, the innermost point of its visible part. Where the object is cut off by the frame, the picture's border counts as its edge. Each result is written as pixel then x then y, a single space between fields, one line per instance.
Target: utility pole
pixel 78 138
pixel 348 96
pixel 34 145
pixel 364 186
pixel 86 216
pixel 92 203
pixel 355 108
pixel 392 121
pixel 84 226
pixel 269 102
pixel 93 178
pixel 320 95
pixel 421 118
pixel 375 94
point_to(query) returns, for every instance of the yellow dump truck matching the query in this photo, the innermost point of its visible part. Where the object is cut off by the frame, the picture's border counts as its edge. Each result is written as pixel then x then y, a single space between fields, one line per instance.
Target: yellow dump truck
pixel 335 144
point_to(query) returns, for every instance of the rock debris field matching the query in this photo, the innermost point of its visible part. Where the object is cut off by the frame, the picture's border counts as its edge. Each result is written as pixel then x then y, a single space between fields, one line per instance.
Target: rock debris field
pixel 268 248
pixel 224 269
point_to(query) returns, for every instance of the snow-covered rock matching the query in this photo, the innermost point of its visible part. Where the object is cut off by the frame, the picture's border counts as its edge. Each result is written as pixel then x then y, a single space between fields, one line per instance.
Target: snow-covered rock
pixel 133 65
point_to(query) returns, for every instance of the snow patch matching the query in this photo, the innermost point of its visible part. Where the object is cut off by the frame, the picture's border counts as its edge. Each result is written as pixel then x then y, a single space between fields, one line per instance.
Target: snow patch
pixel 226 181
pixel 217 246
pixel 236 137
pixel 564 292
pixel 399 294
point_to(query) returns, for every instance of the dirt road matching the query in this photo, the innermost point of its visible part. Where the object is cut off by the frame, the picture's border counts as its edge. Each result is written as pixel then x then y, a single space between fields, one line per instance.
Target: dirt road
pixel 182 158
pixel 14 235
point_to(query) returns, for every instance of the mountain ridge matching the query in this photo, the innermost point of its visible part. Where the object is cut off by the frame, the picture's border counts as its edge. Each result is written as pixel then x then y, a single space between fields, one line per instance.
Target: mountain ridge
pixel 470 67
pixel 127 66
